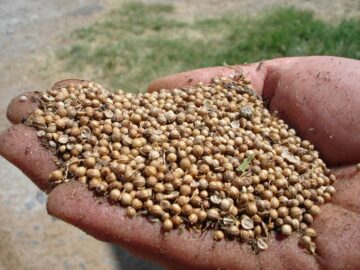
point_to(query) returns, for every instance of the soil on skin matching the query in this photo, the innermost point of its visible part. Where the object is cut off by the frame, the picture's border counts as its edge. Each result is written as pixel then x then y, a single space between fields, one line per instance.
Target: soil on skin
pixel 30 31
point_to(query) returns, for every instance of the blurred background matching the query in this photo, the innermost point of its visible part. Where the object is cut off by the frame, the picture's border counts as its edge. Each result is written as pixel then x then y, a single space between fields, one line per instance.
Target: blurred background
pixel 126 44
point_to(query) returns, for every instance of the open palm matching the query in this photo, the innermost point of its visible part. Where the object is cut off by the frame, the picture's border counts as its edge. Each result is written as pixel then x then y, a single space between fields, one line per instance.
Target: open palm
pixel 318 96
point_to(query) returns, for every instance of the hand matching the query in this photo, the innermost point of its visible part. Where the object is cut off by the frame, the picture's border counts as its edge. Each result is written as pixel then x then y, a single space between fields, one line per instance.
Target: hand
pixel 318 96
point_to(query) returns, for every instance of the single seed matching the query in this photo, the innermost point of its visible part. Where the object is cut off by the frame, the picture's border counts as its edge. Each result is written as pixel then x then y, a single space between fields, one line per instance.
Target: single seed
pixel 306 240
pixel 115 194
pixel 232 230
pixel 213 214
pixel 167 225
pixel 91 173
pixel 126 199
pixel 130 212
pixel 251 209
pixel 310 232
pixel 295 212
pixel 225 204
pixel 150 171
pixel 56 176
pixel 89 162
pixel 314 210
pixel 286 229
pixel 193 218
pixel 185 163
pixel 156 210
pixel 218 235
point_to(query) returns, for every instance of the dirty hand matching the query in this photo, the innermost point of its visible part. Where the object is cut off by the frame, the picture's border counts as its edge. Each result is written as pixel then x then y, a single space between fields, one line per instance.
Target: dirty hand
pixel 318 96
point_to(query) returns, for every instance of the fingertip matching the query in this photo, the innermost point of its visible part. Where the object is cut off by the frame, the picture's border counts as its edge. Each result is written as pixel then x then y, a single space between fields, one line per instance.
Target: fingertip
pixel 21 107
pixel 21 146
pixel 66 82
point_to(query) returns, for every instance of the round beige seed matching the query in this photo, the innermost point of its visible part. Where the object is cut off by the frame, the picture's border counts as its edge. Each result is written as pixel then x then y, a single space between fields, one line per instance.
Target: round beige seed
pixel 314 210
pixel 115 194
pixel 56 176
pixel 218 235
pixel 126 199
pixel 286 229
pixel 306 240
pixel 167 225
pixel 310 232
pixel 130 212
pixel 156 210
pixel 213 214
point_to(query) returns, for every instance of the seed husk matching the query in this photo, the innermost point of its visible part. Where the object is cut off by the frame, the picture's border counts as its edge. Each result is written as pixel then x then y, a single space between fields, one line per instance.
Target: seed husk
pixel 247 223
pixel 63 139
pixel 262 243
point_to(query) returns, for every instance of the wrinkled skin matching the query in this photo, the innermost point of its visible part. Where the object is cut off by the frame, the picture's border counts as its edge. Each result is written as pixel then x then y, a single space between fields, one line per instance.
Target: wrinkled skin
pixel 318 96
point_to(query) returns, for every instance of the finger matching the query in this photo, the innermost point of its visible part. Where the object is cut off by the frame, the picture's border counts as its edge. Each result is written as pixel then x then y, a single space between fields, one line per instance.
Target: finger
pixel 21 146
pixel 320 98
pixel 338 238
pixel 74 203
pixel 347 189
pixel 23 105
pixel 66 83
pixel 254 73
pixel 286 253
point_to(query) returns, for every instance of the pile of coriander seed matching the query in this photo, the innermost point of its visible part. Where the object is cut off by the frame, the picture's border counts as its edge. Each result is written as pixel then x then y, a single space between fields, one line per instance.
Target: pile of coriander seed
pixel 203 158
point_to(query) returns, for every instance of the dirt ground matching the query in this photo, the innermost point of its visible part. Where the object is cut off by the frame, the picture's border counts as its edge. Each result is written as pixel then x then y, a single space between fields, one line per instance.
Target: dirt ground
pixel 30 32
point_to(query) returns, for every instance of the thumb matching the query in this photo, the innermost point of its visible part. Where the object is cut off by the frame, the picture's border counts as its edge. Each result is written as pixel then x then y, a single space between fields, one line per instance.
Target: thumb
pixel 255 73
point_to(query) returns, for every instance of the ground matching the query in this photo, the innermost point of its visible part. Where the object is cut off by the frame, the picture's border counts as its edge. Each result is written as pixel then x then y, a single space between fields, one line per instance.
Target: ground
pixel 31 32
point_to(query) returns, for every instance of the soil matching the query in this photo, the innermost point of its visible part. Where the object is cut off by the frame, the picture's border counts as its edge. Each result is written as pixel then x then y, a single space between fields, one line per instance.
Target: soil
pixel 31 30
